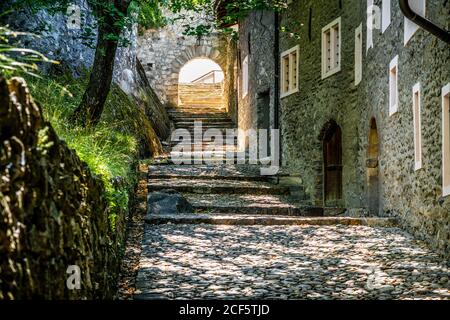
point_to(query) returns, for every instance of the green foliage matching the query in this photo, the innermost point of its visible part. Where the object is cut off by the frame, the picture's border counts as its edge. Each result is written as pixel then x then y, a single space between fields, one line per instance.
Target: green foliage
pixel 15 61
pixel 149 15
pixel 109 149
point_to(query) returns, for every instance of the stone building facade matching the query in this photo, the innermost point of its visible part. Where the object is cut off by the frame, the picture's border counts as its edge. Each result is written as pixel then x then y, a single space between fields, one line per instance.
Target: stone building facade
pixel 256 94
pixel 340 81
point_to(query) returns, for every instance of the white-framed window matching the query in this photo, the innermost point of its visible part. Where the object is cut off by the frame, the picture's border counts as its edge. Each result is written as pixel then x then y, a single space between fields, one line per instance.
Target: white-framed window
pixel 289 71
pixel 385 15
pixel 417 118
pixel 358 54
pixel 369 25
pixel 331 48
pixel 446 140
pixel 245 77
pixel 419 7
pixel 393 86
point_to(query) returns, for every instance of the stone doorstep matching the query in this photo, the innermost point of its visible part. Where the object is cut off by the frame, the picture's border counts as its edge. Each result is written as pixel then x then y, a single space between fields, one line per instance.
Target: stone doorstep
pixel 268 220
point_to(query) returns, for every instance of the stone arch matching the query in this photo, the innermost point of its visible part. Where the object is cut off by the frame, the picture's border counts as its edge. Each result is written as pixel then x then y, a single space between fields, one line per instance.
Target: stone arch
pixel 190 53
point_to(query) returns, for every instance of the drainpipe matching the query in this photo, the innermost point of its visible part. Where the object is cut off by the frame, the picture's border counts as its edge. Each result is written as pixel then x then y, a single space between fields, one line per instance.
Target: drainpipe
pixel 276 53
pixel 424 23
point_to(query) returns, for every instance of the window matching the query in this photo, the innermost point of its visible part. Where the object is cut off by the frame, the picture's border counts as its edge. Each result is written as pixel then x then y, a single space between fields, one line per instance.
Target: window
pixel 289 71
pixel 393 86
pixel 358 55
pixel 417 127
pixel 386 15
pixel 418 6
pixel 446 140
pixel 331 48
pixel 245 77
pixel 369 24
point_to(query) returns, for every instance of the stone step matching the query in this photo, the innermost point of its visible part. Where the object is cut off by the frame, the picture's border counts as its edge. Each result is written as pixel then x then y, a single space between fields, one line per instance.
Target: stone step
pixel 251 204
pixel 274 220
pixel 194 144
pixel 208 125
pixel 205 170
pixel 207 113
pixel 208 186
pixel 223 128
pixel 208 121
pixel 195 172
pixel 189 116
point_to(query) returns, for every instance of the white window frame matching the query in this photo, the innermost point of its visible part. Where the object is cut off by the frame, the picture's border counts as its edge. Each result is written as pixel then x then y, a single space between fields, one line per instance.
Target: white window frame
pixel 330 27
pixel 369 26
pixel 417 120
pixel 393 87
pixel 291 73
pixel 446 140
pixel 386 15
pixel 358 54
pixel 245 77
pixel 419 7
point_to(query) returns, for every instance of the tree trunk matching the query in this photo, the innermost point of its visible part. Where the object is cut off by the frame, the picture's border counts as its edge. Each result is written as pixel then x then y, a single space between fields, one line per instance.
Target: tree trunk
pixel 91 107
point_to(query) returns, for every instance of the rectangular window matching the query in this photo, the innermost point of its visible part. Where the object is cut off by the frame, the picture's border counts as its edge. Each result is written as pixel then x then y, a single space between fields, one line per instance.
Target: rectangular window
pixel 370 25
pixel 417 127
pixel 358 55
pixel 393 86
pixel 331 48
pixel 419 7
pixel 386 15
pixel 446 140
pixel 245 77
pixel 289 71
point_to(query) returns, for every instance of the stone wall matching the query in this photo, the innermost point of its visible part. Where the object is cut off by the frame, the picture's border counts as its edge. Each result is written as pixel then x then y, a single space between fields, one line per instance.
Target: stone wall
pixel 73 47
pixel 256 40
pixel 75 50
pixel 305 114
pixel 413 196
pixel 53 211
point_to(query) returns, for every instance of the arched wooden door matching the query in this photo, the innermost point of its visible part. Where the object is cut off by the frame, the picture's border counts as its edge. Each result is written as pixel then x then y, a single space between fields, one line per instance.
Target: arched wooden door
pixel 332 157
pixel 373 193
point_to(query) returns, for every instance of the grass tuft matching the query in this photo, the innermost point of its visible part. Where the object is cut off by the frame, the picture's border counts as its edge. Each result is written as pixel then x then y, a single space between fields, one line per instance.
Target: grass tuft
pixel 111 148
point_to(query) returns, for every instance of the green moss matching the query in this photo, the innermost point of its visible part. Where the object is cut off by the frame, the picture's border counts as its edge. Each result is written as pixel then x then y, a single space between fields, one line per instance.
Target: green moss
pixel 110 149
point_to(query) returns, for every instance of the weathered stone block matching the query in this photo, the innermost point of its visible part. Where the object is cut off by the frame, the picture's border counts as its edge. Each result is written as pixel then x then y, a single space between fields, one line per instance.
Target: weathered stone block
pixel 167 202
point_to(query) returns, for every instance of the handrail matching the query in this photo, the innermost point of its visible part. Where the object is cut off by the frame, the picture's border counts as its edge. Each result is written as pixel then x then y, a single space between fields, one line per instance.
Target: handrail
pixel 206 75
pixel 424 23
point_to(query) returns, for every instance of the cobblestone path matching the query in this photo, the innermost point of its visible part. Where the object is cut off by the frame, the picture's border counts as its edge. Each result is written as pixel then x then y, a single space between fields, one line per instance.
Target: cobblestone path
pixel 241 257
pixel 278 262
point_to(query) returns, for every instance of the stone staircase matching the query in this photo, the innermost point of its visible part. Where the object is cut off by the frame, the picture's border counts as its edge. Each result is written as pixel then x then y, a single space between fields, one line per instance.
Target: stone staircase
pixel 224 190
pixel 201 96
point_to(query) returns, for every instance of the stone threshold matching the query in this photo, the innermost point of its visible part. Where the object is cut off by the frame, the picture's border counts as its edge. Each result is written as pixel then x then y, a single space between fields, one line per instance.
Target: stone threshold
pixel 245 220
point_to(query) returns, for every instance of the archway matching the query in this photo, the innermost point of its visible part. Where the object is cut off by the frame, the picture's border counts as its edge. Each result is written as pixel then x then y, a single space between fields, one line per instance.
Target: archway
pixel 372 166
pixel 332 164
pixel 200 85
pixel 190 53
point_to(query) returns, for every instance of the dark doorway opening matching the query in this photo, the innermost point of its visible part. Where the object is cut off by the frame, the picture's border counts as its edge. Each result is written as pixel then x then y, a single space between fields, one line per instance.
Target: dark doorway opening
pixel 373 192
pixel 332 157
pixel 263 115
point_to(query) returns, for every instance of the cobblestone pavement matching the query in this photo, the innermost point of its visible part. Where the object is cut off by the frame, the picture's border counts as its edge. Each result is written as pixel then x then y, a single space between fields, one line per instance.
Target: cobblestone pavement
pixel 281 262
